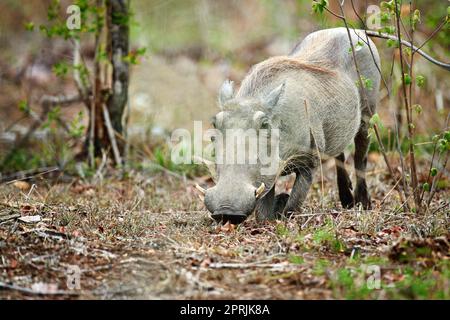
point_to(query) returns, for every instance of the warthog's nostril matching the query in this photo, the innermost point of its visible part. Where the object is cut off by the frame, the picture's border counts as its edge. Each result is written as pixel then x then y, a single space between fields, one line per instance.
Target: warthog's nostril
pixel 226 215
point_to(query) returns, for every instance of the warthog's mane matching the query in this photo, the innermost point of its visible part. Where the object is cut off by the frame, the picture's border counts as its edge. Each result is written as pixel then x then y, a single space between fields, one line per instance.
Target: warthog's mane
pixel 262 74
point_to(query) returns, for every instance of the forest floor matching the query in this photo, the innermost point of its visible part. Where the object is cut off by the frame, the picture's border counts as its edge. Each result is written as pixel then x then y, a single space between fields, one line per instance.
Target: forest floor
pixel 149 237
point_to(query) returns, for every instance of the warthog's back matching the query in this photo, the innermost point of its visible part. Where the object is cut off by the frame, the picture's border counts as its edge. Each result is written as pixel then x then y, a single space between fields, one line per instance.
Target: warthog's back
pixel 331 49
pixel 321 90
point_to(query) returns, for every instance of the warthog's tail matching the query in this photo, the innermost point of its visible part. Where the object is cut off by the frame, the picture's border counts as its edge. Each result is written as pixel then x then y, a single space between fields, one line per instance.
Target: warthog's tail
pixel 376 34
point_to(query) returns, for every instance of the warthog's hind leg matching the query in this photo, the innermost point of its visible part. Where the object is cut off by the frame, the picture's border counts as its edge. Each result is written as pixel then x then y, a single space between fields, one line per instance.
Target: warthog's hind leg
pixel 361 148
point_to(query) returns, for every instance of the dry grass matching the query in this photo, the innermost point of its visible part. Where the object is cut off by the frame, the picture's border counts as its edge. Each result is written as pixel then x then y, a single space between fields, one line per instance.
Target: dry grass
pixel 150 237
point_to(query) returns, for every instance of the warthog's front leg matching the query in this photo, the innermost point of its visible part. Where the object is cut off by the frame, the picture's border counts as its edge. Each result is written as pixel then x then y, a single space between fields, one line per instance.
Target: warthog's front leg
pixel 299 191
pixel 264 206
pixel 344 183
pixel 272 207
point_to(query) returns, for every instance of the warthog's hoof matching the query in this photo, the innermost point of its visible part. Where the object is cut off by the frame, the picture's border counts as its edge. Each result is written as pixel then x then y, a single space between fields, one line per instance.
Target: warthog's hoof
pixel 362 196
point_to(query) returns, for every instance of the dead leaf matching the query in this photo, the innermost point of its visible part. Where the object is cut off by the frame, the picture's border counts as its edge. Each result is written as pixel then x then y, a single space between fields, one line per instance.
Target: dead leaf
pixel 90 192
pixel 27 209
pixel 30 219
pixel 13 264
pixel 81 188
pixel 76 233
pixel 205 263
pixel 427 249
pixel 22 185
pixel 228 227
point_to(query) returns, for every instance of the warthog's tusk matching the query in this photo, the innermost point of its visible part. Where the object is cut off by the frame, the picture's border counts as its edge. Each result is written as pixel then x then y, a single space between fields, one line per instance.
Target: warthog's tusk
pixel 260 190
pixel 203 191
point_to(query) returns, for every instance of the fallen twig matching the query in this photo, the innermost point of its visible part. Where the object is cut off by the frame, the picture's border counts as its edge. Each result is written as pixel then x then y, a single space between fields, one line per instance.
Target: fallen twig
pixel 40 293
pixel 230 265
pixel 28 174
pixel 9 217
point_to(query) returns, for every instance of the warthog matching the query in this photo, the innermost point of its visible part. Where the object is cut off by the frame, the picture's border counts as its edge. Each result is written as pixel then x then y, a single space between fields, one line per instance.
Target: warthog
pixel 312 96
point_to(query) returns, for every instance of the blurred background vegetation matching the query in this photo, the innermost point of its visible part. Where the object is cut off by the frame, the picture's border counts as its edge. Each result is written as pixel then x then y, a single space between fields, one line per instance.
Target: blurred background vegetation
pixel 192 46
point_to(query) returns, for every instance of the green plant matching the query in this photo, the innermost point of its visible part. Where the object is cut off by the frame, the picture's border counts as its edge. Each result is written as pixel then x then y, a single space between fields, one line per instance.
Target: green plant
pixel 392 18
pixel 326 236
pixel 296 259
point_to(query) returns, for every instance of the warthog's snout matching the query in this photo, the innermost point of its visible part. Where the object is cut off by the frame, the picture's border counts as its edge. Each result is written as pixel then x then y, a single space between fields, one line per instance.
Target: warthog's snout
pixel 228 214
pixel 231 203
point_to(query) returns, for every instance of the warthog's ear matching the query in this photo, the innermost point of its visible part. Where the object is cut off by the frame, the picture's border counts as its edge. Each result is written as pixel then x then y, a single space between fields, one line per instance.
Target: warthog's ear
pixel 226 92
pixel 272 99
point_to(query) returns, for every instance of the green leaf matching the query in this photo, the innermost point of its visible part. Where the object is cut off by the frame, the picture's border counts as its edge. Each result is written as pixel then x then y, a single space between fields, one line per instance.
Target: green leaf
pixel 420 81
pixel 133 56
pixel 319 7
pixel 24 107
pixel 388 5
pixel 359 45
pixel 418 108
pixel 407 79
pixel 375 120
pixel 407 50
pixel 447 136
pixel 443 145
pixel 141 51
pixel 53 10
pixel 415 19
pixel 296 259
pixel 52 117
pixel 76 129
pixel 385 17
pixel 426 187
pixel 60 69
pixel 389 30
pixel 433 172
pixel 391 43
pixel 368 84
pixel 29 26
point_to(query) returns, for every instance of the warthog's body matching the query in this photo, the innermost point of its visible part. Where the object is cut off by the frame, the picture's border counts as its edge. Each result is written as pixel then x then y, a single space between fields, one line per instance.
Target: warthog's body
pixel 312 96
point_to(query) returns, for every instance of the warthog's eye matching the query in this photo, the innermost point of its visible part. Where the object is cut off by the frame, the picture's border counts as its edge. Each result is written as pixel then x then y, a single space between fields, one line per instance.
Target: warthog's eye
pixel 265 125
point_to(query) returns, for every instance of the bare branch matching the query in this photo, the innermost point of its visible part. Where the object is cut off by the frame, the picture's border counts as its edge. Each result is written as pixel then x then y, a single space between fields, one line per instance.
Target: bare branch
pixel 370 48
pixel 412 160
pixel 441 25
pixel 60 100
pixel 376 34
pixel 111 136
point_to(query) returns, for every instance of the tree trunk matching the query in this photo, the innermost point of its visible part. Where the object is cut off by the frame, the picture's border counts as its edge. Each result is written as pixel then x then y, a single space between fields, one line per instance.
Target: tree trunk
pixel 118 37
